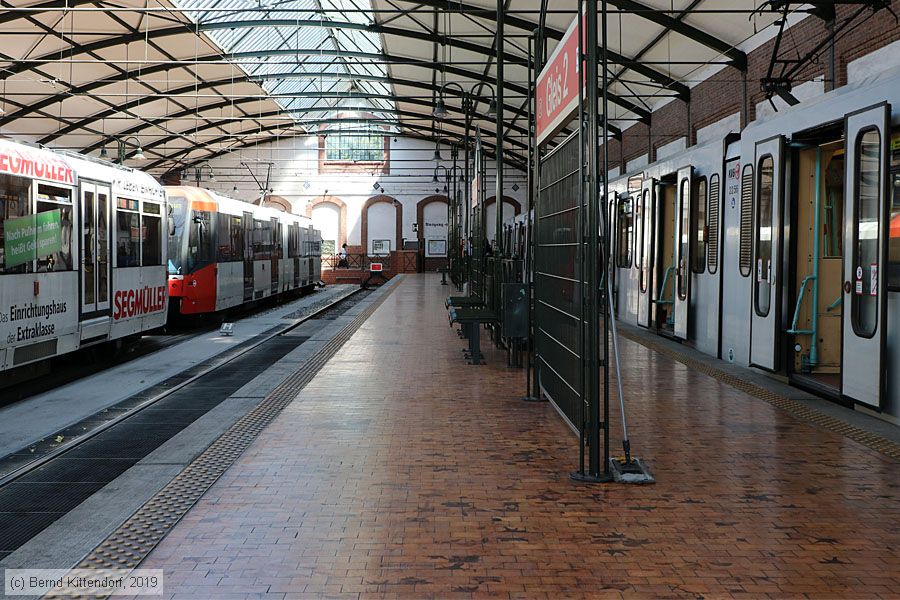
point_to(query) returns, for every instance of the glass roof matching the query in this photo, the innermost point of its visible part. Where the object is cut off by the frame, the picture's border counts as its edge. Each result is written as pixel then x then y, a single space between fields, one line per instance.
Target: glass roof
pixel 307 85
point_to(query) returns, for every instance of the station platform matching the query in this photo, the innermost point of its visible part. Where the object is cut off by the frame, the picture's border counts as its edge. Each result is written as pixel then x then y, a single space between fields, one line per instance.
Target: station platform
pixel 398 470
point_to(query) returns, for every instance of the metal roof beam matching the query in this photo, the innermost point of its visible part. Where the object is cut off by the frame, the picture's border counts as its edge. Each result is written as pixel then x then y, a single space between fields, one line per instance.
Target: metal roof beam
pixel 187 164
pixel 244 78
pixel 660 17
pixel 454 41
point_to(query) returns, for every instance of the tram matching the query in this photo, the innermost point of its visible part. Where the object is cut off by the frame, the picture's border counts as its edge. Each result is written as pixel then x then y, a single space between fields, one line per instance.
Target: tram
pixel 777 247
pixel 81 253
pixel 225 252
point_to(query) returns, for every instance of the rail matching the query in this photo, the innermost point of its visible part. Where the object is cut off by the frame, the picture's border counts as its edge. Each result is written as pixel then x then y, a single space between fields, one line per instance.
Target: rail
pixel 63 448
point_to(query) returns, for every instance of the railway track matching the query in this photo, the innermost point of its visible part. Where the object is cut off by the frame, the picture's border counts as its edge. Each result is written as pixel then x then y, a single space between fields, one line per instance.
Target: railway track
pixel 41 483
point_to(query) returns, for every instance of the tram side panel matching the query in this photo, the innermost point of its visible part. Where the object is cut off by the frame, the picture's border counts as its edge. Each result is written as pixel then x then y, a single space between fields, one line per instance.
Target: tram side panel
pixel 736 260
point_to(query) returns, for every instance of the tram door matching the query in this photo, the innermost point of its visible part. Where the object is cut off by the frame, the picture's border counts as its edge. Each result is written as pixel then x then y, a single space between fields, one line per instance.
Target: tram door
pixel 298 245
pixel 765 309
pixel 612 243
pixel 95 265
pixel 645 254
pixel 249 232
pixel 277 242
pixel 682 292
pixel 866 134
pixel 663 246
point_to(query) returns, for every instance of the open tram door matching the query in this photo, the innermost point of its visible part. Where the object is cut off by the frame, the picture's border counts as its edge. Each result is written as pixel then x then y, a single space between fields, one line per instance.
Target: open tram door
pixel 612 243
pixel 95 254
pixel 682 295
pixel 765 305
pixel 646 206
pixel 866 135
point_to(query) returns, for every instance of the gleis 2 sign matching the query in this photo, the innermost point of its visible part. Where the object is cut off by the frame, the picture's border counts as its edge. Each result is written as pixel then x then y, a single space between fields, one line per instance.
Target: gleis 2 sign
pixel 557 86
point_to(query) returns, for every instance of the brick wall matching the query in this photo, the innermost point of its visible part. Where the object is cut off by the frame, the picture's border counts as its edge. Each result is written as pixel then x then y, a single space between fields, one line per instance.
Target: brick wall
pixel 726 93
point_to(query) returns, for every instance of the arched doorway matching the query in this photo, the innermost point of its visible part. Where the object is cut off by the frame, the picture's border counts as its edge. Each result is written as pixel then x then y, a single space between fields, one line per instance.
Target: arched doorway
pixel 329 216
pixel 382 225
pixel 433 229
pixel 511 208
pixel 278 203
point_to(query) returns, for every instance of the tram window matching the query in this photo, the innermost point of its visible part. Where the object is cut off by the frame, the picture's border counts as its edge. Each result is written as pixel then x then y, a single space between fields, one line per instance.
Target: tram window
pixel 54 244
pixel 225 250
pixel 55 227
pixel 893 274
pixel 201 240
pixel 237 237
pixel 128 233
pixel 866 232
pixel 262 240
pixel 766 181
pixel 681 273
pixel 625 223
pixel 699 232
pixel 177 209
pixel 712 227
pixel 15 203
pixel 151 235
pixel 745 258
pixel 128 238
pixel 51 193
pixel 643 257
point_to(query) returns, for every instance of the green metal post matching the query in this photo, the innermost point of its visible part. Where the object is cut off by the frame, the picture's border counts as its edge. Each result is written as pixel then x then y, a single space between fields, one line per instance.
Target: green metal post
pixel 814 319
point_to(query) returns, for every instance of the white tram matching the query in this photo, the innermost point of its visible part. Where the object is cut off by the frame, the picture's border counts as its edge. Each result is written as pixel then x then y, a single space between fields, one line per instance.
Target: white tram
pixel 82 253
pixel 777 247
pixel 224 252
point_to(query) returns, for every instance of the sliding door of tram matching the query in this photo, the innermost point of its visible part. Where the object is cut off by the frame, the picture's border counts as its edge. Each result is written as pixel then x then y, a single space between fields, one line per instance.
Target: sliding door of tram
pixel 247 222
pixel 765 311
pixel 276 252
pixel 866 134
pixel 682 295
pixel 646 205
pixel 95 264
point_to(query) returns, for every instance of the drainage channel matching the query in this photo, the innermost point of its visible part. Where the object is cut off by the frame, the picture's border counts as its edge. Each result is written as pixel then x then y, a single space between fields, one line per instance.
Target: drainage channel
pixel 34 497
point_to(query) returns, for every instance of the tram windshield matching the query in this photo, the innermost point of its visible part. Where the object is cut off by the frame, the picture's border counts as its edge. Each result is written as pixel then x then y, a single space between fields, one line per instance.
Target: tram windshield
pixel 177 219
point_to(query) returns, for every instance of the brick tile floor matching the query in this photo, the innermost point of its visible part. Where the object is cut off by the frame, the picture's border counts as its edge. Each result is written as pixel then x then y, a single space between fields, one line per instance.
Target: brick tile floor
pixel 402 472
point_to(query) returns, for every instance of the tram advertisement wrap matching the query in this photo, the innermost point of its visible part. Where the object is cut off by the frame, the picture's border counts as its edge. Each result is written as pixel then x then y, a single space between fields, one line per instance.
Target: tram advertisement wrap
pixel 138 302
pixel 26 322
pixel 27 238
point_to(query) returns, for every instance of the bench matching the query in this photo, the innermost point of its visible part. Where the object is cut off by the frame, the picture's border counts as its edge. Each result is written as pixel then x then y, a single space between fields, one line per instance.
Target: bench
pixel 463 301
pixel 470 320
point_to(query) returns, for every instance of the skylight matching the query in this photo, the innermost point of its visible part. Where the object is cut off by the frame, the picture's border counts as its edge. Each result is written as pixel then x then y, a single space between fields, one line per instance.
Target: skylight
pixel 308 68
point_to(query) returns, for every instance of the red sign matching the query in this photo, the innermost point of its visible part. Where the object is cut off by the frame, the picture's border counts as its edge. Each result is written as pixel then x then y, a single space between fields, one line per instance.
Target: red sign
pixel 376 268
pixel 557 85
pixel 35 164
pixel 134 303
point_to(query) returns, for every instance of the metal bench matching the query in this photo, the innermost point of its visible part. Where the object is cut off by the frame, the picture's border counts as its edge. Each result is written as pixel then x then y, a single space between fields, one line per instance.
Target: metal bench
pixel 463 301
pixel 471 320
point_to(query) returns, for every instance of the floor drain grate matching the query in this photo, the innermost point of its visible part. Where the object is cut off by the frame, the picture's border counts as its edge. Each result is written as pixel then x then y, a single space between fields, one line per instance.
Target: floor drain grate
pixel 868 439
pixel 130 544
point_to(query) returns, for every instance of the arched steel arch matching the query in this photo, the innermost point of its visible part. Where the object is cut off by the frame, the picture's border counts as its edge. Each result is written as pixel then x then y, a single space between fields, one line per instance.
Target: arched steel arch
pixel 490 150
pixel 520 163
pixel 451 91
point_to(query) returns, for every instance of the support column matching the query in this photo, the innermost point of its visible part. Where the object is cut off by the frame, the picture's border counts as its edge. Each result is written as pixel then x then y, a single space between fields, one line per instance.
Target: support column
pixel 499 146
